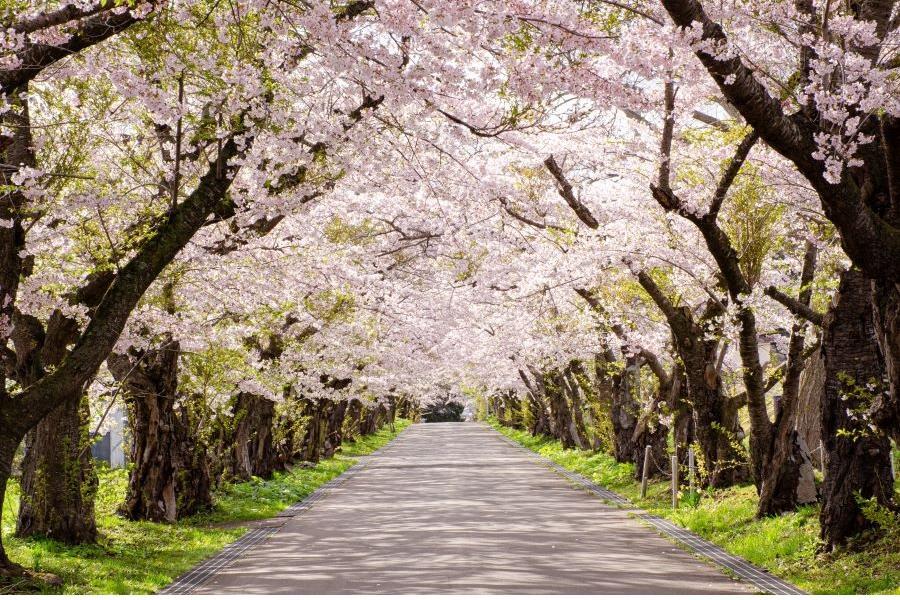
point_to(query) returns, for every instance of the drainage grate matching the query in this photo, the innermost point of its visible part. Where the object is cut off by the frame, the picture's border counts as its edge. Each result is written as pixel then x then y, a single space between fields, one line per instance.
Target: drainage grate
pixel 740 567
pixel 766 582
pixel 193 578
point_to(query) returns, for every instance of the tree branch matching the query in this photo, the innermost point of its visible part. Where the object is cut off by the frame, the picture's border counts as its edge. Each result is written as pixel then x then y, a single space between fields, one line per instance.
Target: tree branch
pixel 109 319
pixel 731 172
pixel 35 58
pixel 564 188
pixel 796 307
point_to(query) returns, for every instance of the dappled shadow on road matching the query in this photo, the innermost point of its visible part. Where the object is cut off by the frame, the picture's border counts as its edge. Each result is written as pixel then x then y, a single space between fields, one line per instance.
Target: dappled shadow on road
pixel 452 508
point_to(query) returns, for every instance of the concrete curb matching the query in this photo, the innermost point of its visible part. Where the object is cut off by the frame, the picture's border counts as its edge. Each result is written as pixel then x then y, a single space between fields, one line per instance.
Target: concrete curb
pixel 743 570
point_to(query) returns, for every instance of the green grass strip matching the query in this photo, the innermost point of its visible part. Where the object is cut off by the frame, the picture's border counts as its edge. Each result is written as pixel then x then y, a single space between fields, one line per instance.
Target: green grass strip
pixel 139 557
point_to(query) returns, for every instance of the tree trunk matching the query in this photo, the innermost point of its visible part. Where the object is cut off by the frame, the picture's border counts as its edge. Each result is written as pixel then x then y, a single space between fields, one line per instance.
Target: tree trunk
pixel 809 407
pixel 540 420
pixel 651 431
pixel 886 318
pixel 716 424
pixel 373 418
pixel 562 423
pixel 334 434
pixel 316 429
pixel 353 418
pixel 8 448
pixel 573 391
pixel 149 379
pixel 406 408
pixel 857 459
pixel 625 412
pixel 785 474
pixel 684 437
pixel 253 453
pixel 58 479
pixel 717 429
pixel 193 481
pixel 169 476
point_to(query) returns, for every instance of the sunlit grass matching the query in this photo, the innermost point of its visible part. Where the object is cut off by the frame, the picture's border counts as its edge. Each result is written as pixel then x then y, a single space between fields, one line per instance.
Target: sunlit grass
pixel 139 558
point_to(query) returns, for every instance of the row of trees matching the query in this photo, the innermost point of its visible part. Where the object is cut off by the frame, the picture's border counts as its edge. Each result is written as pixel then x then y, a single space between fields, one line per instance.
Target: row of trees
pixel 209 204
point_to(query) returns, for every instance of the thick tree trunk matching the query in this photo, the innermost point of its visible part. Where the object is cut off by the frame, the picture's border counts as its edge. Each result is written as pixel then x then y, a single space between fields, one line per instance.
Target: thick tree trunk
pixel 193 481
pixel 169 476
pixel 540 420
pixel 58 479
pixel 717 429
pixel 562 424
pixel 857 458
pixel 353 418
pixel 313 445
pixel 149 381
pixel 252 450
pixel 625 412
pixel 8 446
pixel 809 407
pixel 334 435
pixel 886 319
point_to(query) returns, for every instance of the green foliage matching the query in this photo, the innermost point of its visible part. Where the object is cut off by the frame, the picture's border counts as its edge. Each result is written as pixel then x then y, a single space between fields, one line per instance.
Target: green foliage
pixel 785 545
pixel 331 306
pixel 339 231
pixel 141 557
pixel 751 221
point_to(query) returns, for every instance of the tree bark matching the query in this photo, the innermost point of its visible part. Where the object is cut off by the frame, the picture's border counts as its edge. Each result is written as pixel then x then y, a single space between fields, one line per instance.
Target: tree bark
pixel 857 458
pixel 169 476
pixel 716 423
pixel 785 466
pixel 538 417
pixel 352 419
pixel 58 479
pixel 809 406
pixel 625 411
pixel 886 318
pixel 252 451
pixel 313 445
pixel 540 420
pixel 562 424
pixel 335 431
pixel 193 482
pixel 8 447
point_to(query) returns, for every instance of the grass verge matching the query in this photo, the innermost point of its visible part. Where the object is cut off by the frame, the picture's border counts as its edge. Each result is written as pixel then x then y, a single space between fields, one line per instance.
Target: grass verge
pixel 139 557
pixel 785 545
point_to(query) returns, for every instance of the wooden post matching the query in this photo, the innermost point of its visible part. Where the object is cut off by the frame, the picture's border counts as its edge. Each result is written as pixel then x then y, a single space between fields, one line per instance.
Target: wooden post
pixel 691 470
pixel 646 472
pixel 674 481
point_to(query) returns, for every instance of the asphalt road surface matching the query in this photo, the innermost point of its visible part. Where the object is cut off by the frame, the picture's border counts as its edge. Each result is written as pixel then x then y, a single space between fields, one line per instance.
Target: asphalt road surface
pixel 453 508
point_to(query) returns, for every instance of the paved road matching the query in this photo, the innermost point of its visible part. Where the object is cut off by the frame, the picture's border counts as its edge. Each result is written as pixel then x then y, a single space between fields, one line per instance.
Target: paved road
pixel 453 508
